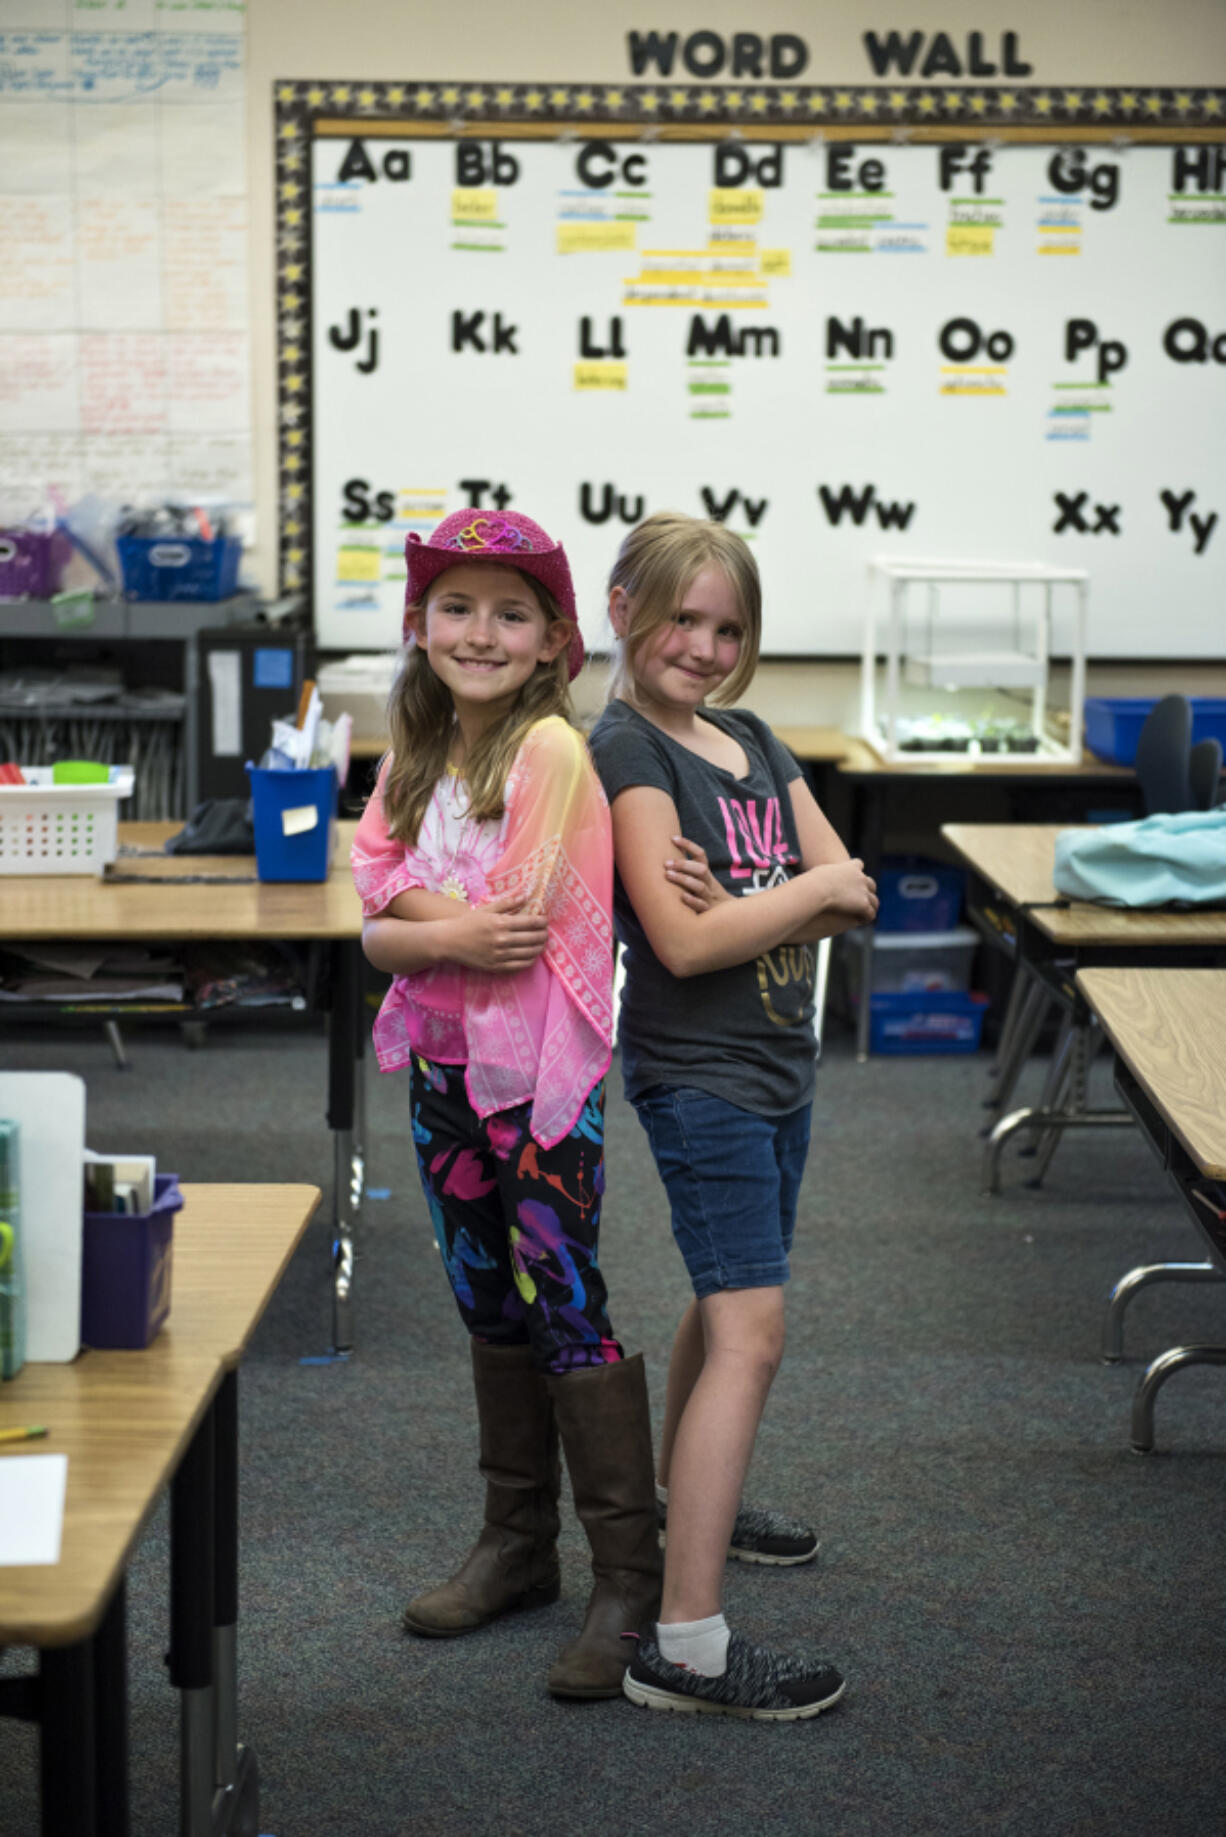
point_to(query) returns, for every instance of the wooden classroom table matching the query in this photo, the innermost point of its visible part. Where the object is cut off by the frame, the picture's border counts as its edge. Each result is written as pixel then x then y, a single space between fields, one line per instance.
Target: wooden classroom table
pixel 131 1423
pixel 1167 1027
pixel 1014 903
pixel 148 897
pixel 952 784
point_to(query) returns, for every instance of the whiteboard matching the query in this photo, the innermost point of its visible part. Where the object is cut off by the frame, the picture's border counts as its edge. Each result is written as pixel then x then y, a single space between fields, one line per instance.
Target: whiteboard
pixel 982 353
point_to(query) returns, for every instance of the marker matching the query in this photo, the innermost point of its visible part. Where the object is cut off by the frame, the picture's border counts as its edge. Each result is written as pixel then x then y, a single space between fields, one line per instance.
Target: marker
pixel 30 1433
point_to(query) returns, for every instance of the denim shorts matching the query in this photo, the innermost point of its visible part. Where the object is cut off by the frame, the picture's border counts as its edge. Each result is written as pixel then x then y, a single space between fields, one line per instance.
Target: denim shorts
pixel 733 1180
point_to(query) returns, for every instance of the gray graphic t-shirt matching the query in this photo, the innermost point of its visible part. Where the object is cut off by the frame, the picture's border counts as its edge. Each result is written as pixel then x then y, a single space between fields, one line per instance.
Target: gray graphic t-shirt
pixel 746 1033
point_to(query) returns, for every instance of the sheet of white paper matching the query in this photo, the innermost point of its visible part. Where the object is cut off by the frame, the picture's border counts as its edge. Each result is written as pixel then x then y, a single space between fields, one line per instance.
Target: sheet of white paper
pixel 32 1490
pixel 225 679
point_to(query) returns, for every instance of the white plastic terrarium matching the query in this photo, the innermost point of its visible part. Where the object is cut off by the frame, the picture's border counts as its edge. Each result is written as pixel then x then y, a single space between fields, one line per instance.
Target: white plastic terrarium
pixel 967 647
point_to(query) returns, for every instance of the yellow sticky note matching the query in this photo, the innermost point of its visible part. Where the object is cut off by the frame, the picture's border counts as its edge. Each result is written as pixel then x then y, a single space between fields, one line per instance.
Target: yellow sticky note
pixel 582 238
pixel 601 376
pixel 776 262
pixel 969 239
pixel 299 820
pixel 736 206
pixel 357 564
pixel 474 204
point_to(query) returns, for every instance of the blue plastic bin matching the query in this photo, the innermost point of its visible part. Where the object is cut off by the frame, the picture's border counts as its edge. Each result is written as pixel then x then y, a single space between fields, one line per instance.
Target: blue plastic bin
pixel 918 895
pixel 125 1271
pixel 293 815
pixel 1113 723
pixel 179 568
pixel 924 1021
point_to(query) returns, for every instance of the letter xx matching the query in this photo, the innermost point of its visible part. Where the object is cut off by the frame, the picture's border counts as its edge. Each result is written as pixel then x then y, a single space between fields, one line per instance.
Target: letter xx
pixel 1069 504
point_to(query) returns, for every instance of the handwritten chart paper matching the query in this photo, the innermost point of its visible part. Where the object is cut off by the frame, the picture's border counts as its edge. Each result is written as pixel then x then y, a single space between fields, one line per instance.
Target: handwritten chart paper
pixel 123 296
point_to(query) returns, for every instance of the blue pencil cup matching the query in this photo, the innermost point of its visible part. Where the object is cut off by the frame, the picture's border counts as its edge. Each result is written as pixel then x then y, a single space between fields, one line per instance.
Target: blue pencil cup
pixel 293 815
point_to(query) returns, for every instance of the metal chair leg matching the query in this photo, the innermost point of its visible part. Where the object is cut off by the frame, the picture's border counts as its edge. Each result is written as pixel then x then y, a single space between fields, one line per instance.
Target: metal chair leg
pixel 115 1039
pixel 1155 1377
pixel 1144 1276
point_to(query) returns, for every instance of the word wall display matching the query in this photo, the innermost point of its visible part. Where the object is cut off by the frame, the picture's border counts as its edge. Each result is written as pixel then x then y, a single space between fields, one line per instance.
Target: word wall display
pixel 990 351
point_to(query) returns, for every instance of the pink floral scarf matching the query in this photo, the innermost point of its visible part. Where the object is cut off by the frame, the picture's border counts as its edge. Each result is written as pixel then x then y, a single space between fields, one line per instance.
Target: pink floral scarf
pixel 542 1035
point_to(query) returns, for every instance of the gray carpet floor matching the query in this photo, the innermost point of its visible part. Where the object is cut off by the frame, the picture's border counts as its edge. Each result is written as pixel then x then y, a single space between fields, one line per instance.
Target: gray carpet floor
pixel 1030 1617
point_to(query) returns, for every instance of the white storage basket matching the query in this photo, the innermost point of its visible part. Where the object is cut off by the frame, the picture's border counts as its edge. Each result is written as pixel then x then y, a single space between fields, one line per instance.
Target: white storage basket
pixel 47 828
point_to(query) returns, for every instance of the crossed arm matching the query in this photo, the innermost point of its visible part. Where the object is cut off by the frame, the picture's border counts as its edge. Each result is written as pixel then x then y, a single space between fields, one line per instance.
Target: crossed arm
pixel 419 930
pixel 707 928
pixel 692 923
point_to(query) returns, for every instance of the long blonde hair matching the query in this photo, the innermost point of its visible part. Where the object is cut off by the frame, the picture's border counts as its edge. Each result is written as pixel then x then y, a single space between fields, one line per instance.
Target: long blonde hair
pixel 656 566
pixel 420 717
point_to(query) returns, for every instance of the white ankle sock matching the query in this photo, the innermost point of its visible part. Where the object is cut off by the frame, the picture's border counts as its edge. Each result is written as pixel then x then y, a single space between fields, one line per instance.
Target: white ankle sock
pixel 699 1645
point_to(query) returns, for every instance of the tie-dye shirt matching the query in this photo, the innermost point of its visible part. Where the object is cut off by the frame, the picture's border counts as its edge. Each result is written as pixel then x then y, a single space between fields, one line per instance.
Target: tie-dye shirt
pixel 541 1035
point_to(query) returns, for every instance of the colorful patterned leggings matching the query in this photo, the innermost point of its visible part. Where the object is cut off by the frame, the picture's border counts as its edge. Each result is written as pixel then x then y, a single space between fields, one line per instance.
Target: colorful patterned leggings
pixel 516 1223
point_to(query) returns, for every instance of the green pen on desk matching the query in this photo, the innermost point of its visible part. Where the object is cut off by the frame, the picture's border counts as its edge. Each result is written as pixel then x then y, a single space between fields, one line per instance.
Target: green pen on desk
pixel 29 1433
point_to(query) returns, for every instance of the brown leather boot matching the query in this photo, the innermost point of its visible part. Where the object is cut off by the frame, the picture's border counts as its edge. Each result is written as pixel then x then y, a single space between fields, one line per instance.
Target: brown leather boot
pixel 606 1433
pixel 514 1562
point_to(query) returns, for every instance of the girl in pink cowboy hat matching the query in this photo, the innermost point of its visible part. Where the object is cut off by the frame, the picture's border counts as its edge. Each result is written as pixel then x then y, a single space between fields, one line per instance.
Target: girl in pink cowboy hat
pixel 484 864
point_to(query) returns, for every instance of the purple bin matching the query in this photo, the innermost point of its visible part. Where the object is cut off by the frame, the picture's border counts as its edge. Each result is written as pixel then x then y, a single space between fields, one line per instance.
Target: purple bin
pixel 125 1271
pixel 31 563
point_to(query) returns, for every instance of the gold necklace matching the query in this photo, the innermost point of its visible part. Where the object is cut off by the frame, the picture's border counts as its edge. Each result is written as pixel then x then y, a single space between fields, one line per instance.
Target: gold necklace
pixel 452 886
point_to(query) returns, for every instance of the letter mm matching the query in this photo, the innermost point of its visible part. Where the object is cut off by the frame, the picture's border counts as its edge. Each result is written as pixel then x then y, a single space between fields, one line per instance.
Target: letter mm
pixel 724 340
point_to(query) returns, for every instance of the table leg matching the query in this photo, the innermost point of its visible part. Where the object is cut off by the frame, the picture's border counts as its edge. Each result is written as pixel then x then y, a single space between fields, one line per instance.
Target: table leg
pixel 1048 1121
pixel 236 1771
pixel 225 1581
pixel 111 1716
pixel 67 1748
pixel 868 831
pixel 192 1544
pixel 345 1029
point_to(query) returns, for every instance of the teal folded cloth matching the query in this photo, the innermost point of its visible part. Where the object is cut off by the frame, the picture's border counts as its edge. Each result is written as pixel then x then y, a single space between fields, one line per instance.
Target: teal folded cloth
pixel 1160 861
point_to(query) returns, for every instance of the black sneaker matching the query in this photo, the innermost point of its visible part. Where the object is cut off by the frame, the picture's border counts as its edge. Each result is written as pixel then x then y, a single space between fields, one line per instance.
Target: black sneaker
pixel 758 1684
pixel 759 1536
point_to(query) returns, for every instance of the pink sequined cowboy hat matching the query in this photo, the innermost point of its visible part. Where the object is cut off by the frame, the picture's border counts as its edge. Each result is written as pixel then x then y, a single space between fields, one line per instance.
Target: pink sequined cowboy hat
pixel 503 536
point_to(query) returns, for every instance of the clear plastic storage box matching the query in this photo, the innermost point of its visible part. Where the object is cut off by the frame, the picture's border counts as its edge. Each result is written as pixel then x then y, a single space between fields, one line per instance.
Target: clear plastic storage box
pixel 914 960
